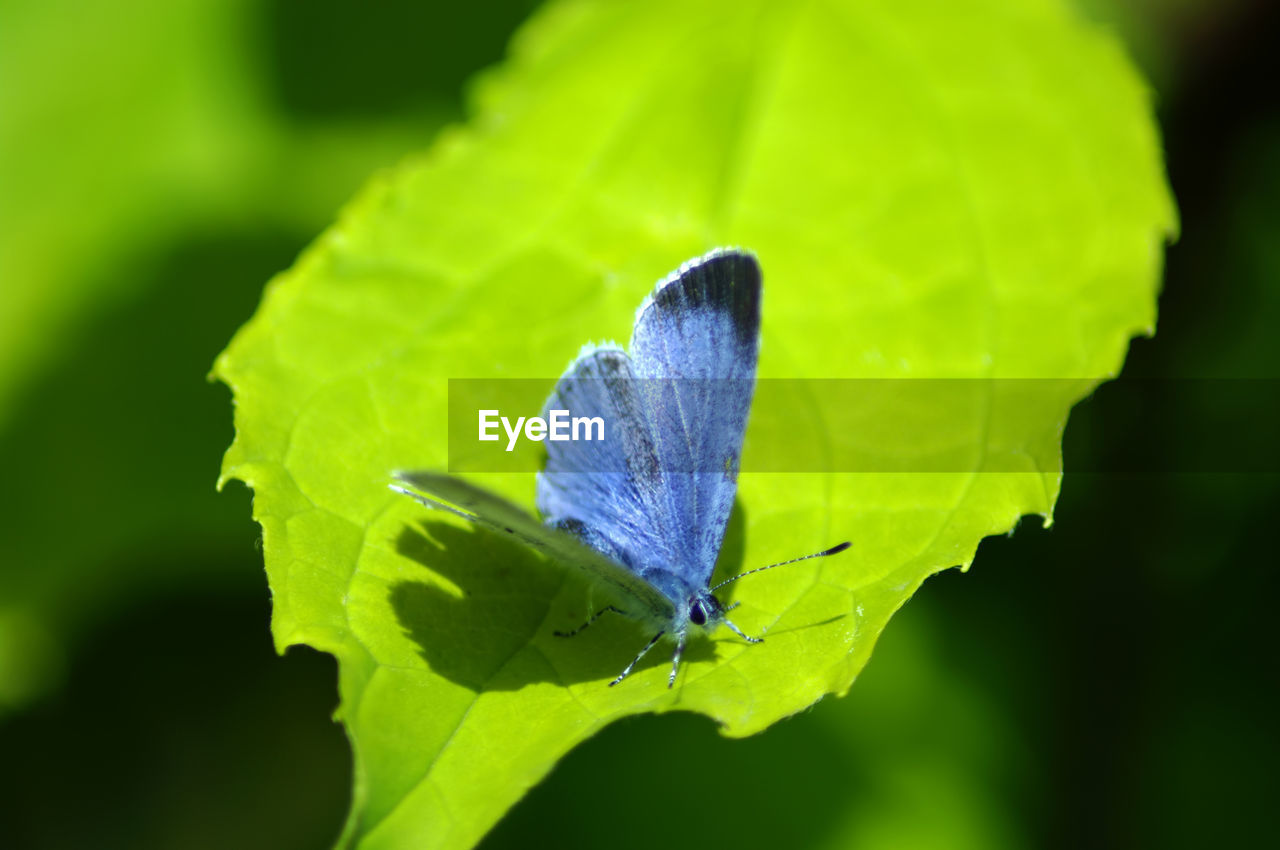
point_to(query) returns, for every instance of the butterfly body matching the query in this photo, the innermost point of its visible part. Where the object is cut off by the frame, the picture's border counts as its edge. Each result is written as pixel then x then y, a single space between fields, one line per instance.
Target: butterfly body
pixel 644 511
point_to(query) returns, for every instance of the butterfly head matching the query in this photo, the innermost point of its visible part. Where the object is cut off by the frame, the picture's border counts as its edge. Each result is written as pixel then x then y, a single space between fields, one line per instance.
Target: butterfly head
pixel 705 610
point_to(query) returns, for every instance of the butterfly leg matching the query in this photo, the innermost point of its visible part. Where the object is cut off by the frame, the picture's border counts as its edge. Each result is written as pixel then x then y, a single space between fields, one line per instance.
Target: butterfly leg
pixel 737 631
pixel 627 672
pixel 594 617
pixel 675 662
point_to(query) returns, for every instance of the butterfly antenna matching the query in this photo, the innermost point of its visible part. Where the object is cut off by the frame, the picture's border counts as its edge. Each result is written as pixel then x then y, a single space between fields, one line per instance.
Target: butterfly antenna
pixel 834 550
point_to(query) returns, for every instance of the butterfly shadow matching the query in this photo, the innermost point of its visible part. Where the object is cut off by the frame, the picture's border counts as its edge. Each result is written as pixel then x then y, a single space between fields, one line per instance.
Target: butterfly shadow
pixel 486 613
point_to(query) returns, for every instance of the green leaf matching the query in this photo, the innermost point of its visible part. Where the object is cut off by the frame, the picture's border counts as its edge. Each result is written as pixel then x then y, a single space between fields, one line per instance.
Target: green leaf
pixel 968 190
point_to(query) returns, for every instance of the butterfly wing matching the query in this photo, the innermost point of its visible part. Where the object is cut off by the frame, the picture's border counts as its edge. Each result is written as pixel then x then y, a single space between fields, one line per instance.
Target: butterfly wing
pixel 463 499
pixel 695 347
pixel 608 490
pixel 683 396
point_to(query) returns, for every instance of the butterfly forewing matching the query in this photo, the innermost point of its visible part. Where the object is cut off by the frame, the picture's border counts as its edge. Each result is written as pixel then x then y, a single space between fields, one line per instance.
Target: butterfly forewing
pixel 695 347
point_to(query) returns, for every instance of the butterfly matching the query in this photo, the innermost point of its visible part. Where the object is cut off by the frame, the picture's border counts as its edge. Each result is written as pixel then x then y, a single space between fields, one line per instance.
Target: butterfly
pixel 644 511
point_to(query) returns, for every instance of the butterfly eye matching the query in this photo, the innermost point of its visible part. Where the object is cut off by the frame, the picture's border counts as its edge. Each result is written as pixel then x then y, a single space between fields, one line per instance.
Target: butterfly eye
pixel 697 615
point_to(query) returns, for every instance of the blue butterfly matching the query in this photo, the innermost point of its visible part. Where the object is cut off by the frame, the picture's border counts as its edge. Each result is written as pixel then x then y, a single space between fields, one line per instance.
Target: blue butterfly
pixel 644 511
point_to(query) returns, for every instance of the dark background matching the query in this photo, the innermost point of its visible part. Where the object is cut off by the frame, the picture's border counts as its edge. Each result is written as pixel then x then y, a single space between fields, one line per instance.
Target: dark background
pixel 1106 682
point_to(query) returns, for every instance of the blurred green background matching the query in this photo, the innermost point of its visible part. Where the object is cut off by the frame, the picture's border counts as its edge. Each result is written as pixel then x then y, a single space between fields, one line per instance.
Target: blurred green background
pixel 1101 683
